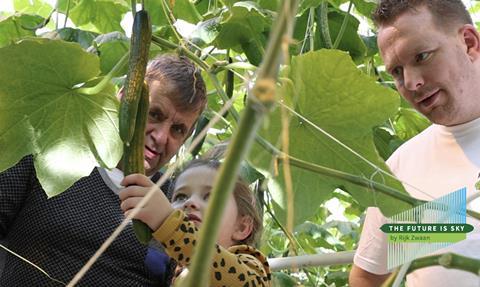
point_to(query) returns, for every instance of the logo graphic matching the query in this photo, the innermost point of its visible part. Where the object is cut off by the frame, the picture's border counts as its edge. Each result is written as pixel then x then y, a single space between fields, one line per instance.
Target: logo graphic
pixel 426 228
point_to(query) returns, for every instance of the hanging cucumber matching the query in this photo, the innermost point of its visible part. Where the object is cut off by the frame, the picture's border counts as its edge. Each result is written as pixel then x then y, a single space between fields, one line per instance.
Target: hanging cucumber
pixel 137 64
pixel 133 158
pixel 134 108
pixel 202 123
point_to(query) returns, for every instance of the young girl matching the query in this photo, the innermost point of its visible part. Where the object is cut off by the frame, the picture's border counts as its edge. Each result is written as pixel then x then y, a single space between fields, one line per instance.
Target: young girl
pixel 176 226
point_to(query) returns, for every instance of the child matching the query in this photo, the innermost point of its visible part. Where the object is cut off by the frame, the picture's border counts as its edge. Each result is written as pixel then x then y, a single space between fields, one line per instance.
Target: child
pixel 235 263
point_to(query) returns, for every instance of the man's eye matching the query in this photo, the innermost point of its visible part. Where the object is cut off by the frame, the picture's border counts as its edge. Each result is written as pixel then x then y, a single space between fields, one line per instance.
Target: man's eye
pixel 422 57
pixel 179 131
pixel 397 72
pixel 153 115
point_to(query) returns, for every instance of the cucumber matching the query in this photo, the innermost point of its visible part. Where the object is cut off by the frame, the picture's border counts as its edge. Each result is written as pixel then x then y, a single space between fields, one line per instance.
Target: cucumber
pixel 137 64
pixel 133 158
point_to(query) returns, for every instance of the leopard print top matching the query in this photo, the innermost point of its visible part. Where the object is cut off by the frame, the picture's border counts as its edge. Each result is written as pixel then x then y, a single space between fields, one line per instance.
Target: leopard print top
pixel 240 265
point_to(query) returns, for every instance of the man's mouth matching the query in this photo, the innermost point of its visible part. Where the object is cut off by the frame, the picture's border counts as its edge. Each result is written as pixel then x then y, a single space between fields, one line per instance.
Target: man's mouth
pixel 150 154
pixel 428 100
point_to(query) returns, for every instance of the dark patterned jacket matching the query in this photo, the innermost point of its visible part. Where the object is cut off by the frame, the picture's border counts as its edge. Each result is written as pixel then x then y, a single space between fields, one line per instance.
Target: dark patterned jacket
pixel 61 234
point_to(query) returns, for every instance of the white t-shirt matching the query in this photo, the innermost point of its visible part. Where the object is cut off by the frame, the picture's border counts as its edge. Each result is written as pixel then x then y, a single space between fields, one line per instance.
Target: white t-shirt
pixel 438 161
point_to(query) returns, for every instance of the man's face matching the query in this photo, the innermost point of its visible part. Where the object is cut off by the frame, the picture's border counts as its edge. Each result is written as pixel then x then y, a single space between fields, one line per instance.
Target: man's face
pixel 167 127
pixel 434 69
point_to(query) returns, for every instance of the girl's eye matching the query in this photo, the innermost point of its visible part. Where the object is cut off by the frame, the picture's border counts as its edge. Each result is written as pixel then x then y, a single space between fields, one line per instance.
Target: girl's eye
pixel 179 197
pixel 206 196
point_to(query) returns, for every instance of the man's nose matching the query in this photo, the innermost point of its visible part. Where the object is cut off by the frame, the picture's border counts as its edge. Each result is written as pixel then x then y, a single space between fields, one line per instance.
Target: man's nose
pixel 413 79
pixel 160 134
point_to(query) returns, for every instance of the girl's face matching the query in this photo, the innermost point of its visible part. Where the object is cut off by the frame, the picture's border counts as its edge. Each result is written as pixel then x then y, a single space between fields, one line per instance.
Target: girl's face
pixel 191 194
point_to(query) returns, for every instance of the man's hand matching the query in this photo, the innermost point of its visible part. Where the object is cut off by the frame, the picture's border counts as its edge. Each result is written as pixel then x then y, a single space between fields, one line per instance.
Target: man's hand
pixel 155 211
pixel 361 278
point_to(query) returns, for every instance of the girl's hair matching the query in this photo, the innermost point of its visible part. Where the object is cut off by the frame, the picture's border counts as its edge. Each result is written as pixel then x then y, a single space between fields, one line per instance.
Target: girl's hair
pixel 244 198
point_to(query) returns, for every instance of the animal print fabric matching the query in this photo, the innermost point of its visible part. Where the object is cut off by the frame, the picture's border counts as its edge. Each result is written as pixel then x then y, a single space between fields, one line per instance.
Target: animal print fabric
pixel 239 265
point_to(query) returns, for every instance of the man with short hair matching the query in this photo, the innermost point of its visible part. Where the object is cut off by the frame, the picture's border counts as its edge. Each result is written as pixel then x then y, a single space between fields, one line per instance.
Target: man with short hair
pixel 432 50
pixel 60 234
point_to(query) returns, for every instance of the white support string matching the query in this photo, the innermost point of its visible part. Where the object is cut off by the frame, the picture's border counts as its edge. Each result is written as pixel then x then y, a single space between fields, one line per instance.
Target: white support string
pixel 32 264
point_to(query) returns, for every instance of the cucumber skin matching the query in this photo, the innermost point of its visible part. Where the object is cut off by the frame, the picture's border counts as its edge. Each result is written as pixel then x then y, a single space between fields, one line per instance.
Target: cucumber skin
pixel 133 159
pixel 137 65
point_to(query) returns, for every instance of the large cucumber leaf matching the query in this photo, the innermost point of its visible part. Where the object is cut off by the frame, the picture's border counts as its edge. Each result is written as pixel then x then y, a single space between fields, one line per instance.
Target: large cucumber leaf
pixel 38 7
pixel 104 15
pixel 18 26
pixel 331 92
pixel 42 114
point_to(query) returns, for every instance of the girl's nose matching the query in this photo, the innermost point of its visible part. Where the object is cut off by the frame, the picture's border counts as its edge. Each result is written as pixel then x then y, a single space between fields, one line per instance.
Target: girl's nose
pixel 191 203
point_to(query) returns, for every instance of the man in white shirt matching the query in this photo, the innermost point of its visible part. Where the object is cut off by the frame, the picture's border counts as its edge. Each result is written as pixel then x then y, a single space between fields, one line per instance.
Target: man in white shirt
pixel 432 50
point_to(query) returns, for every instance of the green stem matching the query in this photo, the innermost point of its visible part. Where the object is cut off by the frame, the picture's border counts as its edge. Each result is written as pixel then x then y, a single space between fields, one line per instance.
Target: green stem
pixel 290 237
pixel 311 17
pixel 256 108
pixel 133 3
pixel 169 16
pixel 103 83
pixel 284 22
pixel 448 260
pixel 390 279
pixel 66 14
pixel 242 139
pixel 355 179
pixel 473 214
pixel 324 27
pixel 338 174
pixel 170 45
pixel 343 27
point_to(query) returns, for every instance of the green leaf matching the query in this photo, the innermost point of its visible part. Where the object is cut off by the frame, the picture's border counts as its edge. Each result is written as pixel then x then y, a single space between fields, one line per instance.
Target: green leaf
pixel 386 142
pixel 181 9
pixel 245 30
pixel 185 10
pixel 339 278
pixel 307 4
pixel 205 32
pixel 269 4
pixel 351 41
pixel 42 114
pixel 156 12
pixel 371 45
pixel 104 15
pixel 332 93
pixel 409 123
pixel 111 47
pixel 84 38
pixel 62 5
pixel 365 7
pixel 18 26
pixel 33 7
pixel 281 279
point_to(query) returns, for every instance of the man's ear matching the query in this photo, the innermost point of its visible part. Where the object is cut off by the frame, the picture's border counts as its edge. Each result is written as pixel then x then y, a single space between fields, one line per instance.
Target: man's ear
pixel 471 39
pixel 243 228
